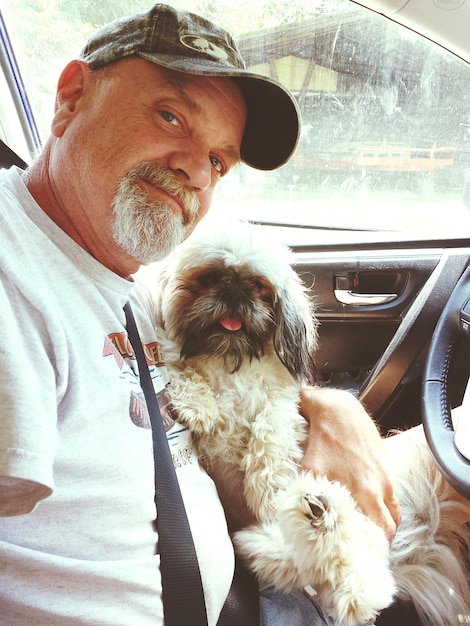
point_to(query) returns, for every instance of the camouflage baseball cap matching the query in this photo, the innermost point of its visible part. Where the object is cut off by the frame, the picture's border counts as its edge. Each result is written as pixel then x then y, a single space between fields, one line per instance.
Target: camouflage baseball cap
pixel 188 43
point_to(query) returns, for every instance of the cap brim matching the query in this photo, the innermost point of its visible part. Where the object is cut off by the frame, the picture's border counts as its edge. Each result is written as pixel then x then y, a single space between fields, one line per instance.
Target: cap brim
pixel 272 125
pixel 273 117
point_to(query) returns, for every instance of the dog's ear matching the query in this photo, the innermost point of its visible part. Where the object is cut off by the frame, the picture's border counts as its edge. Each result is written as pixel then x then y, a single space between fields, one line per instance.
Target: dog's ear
pixel 295 333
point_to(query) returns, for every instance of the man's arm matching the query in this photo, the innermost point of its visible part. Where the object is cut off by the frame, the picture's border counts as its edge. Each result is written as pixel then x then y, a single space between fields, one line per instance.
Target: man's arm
pixel 345 445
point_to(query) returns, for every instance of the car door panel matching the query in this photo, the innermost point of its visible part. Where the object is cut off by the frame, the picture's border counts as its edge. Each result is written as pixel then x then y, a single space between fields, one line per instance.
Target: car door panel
pixel 376 349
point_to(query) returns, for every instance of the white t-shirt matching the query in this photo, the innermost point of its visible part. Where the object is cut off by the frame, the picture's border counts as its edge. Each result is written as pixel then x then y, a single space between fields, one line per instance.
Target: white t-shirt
pixel 77 541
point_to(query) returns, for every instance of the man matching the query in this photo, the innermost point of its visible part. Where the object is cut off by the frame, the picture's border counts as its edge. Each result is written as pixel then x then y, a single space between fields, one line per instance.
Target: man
pixel 157 109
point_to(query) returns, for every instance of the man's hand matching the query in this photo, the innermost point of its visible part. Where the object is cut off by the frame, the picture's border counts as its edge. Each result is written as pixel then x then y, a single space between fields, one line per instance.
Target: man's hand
pixel 345 445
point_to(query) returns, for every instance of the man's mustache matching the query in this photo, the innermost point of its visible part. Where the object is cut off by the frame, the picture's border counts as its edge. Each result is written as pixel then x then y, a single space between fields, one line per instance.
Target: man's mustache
pixel 166 180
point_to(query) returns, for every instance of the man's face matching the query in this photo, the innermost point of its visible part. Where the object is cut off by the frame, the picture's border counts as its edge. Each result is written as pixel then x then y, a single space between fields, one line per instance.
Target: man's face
pixel 142 153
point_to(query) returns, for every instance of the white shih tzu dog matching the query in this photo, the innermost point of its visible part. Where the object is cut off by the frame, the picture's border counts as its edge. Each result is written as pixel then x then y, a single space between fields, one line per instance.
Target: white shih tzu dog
pixel 237 330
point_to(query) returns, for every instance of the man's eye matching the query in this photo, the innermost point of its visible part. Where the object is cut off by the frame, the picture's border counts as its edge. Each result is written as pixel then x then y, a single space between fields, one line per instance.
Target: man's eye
pixel 217 164
pixel 169 117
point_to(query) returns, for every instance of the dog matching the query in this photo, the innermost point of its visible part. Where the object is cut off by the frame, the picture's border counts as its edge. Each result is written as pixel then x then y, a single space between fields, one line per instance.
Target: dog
pixel 238 332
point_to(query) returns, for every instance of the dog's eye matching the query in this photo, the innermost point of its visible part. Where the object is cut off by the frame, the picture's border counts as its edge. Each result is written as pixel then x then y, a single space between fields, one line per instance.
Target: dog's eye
pixel 257 285
pixel 261 290
pixel 206 280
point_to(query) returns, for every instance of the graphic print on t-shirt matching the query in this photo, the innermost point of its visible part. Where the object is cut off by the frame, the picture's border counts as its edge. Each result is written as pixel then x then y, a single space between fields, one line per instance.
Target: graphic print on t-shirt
pixel 119 346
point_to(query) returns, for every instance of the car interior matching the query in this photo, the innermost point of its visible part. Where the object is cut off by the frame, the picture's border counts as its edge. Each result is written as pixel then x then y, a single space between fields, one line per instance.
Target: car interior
pixel 375 202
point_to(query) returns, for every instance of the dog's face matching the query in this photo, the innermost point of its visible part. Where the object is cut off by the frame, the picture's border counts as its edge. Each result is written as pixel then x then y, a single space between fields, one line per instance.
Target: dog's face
pixel 225 293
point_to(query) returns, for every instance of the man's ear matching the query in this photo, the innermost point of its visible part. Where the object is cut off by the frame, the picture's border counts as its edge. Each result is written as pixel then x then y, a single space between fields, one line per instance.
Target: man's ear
pixel 69 91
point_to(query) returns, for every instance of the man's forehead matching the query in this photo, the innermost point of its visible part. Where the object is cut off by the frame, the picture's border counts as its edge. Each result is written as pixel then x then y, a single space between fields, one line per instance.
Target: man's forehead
pixel 182 82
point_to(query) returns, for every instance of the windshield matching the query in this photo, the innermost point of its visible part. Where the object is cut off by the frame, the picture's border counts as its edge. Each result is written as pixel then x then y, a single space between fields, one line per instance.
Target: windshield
pixel 386 114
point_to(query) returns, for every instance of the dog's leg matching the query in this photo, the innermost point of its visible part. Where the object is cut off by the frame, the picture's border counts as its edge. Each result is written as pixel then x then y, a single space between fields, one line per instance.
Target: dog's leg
pixel 273 451
pixel 337 550
pixel 318 536
pixel 320 539
pixel 269 555
pixel 193 400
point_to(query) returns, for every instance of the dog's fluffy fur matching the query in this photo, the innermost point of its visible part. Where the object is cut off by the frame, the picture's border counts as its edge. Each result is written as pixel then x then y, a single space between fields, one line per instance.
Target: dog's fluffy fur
pixel 237 330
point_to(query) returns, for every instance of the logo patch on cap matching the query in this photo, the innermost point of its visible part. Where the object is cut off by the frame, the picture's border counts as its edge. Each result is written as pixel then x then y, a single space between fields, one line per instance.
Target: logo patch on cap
pixel 200 44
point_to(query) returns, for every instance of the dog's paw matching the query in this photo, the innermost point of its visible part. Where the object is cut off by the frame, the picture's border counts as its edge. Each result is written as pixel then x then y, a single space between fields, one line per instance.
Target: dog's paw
pixel 194 403
pixel 308 508
pixel 320 510
pixel 199 421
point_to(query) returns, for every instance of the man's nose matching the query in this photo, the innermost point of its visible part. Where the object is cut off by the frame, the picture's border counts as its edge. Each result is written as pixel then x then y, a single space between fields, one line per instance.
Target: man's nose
pixel 193 162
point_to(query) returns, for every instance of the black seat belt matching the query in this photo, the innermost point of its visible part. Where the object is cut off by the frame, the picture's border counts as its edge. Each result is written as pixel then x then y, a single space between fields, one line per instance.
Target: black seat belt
pixel 183 597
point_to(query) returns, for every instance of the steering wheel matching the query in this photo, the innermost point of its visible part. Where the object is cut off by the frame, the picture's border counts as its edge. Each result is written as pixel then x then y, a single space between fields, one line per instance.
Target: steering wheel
pixel 451 449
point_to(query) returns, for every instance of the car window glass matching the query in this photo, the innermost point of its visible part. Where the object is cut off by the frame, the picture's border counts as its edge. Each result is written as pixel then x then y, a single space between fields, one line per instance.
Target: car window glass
pixel 386 114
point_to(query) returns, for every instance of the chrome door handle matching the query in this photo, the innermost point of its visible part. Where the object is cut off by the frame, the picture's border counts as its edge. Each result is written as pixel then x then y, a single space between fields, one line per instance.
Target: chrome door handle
pixel 345 296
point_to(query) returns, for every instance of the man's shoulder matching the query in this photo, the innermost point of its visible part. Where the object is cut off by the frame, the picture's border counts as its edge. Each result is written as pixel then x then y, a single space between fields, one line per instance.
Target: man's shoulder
pixel 10 184
pixel 16 203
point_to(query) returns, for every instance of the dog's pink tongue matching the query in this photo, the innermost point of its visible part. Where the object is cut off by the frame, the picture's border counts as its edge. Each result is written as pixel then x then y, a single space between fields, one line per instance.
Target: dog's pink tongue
pixel 231 323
